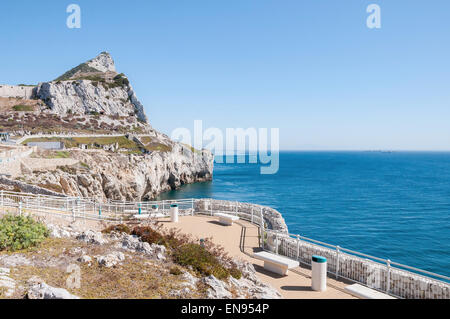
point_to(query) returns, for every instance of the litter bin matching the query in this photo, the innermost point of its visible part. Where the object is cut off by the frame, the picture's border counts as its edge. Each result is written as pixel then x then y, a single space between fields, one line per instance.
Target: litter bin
pixel 319 273
pixel 174 213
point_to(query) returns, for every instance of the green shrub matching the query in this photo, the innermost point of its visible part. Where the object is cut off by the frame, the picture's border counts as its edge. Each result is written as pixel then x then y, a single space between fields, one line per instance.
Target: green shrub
pixel 19 232
pixel 205 260
pixel 201 260
pixel 235 273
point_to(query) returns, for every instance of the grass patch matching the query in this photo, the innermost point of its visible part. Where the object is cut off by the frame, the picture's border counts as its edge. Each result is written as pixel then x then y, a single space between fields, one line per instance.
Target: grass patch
pixel 92 142
pixel 23 108
pixel 134 278
pixel 52 187
pixel 19 232
pixel 151 146
pixel 58 154
pixel 176 271
pixel 84 165
pixel 193 150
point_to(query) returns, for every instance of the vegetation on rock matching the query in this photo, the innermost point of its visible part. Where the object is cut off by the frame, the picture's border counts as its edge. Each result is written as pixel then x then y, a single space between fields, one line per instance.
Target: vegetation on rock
pixel 20 232
pixel 82 68
pixel 205 259
pixel 23 108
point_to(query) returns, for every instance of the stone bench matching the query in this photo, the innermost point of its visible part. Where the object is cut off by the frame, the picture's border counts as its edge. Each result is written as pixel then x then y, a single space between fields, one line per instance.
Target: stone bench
pixel 364 292
pixel 148 216
pixel 226 219
pixel 275 263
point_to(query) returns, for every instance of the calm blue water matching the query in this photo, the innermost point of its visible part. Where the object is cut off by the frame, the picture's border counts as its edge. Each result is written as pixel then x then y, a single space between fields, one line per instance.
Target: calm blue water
pixel 389 205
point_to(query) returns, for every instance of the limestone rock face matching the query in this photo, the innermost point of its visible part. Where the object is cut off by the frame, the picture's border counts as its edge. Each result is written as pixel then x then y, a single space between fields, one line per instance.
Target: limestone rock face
pixel 103 62
pixel 86 97
pixel 92 87
pixel 217 288
pixel 93 99
pixel 129 177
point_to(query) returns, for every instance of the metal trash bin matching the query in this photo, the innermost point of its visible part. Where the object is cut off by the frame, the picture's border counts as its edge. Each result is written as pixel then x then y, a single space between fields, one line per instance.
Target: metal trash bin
pixel 319 273
pixel 174 213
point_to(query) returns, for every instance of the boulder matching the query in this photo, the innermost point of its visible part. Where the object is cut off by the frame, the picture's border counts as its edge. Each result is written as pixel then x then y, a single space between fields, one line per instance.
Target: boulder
pixel 218 289
pixel 44 291
pixel 110 260
pixel 92 237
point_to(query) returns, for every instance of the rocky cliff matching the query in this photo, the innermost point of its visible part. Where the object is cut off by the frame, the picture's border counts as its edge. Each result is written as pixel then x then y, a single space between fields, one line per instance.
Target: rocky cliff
pixel 91 99
pixel 105 175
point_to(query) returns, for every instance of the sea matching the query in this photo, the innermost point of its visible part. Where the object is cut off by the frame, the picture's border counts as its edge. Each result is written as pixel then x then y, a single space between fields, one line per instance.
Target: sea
pixel 391 205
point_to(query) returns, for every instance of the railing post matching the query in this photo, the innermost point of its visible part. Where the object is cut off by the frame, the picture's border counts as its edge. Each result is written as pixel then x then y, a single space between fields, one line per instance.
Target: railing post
pixel 338 249
pixel 252 214
pixel 298 247
pixel 276 243
pixel 388 281
pixel 210 207
pixel 20 208
pixel 2 203
pixel 73 214
pixel 192 206
pixel 261 226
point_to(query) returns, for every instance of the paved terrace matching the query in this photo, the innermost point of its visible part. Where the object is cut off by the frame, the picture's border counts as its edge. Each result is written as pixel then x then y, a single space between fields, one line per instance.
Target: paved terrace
pixel 241 240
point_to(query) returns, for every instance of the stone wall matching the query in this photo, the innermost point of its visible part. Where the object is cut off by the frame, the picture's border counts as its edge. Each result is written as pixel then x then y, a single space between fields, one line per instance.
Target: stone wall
pixel 25 92
pixel 273 219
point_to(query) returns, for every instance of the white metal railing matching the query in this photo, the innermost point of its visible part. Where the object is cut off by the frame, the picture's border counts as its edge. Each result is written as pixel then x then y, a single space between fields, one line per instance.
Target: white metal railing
pixel 85 208
pixel 342 262
pixel 352 265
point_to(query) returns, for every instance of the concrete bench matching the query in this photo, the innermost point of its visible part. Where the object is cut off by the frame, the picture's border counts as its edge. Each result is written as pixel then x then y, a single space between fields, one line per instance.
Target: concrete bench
pixel 275 263
pixel 148 216
pixel 364 292
pixel 226 219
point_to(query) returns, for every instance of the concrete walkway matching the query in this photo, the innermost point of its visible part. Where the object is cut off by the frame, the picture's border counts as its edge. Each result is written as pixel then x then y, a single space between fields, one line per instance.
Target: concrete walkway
pixel 240 240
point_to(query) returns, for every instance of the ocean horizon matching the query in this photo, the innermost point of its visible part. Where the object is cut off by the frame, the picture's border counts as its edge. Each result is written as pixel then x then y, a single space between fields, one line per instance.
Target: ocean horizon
pixel 388 204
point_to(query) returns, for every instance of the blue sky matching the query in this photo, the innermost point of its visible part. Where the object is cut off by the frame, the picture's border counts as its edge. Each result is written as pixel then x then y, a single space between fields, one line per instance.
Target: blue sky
pixel 311 68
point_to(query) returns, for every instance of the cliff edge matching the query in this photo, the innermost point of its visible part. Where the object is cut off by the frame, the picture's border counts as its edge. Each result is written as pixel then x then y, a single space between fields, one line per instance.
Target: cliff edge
pixel 108 148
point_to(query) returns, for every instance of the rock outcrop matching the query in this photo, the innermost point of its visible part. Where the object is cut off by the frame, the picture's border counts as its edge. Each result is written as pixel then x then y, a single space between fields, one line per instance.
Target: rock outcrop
pixel 106 175
pixel 103 62
pixel 92 87
pixel 44 291
pixel 94 97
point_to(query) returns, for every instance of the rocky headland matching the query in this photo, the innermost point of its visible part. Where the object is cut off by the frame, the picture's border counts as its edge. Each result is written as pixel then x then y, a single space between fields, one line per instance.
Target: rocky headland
pixel 110 151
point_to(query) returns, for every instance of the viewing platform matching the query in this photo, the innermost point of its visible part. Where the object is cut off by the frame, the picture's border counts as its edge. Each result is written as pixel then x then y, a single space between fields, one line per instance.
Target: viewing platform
pixel 241 240
pixel 256 228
